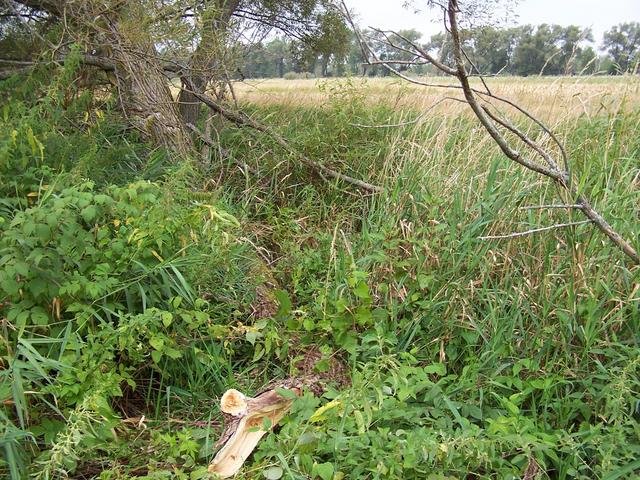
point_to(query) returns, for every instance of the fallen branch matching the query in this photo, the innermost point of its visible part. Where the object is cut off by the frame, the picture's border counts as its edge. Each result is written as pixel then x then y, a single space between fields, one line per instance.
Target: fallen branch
pixel 248 419
pixel 243 120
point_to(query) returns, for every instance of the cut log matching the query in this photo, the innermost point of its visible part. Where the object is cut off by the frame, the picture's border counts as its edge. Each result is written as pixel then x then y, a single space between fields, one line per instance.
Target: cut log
pixel 248 419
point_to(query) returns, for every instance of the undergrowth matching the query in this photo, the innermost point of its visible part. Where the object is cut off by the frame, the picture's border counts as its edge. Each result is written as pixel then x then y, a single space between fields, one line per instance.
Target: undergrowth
pixel 136 288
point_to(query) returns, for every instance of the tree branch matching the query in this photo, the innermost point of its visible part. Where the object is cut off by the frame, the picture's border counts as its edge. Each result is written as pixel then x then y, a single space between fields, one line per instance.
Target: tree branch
pixel 535 230
pixel 493 123
pixel 243 120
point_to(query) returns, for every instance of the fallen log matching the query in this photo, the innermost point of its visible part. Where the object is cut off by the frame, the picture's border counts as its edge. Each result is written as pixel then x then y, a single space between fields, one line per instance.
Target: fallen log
pixel 248 419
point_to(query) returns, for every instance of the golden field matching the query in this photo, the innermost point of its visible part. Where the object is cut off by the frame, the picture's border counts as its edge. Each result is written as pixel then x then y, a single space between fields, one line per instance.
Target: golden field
pixel 550 98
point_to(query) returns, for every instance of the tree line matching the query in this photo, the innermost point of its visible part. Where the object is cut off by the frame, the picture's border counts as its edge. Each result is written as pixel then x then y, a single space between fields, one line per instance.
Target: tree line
pixel 523 50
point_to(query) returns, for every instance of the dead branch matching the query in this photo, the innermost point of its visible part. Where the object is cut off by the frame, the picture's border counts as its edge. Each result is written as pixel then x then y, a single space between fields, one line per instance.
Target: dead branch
pixel 534 230
pixel 544 207
pixel 243 120
pixel 496 125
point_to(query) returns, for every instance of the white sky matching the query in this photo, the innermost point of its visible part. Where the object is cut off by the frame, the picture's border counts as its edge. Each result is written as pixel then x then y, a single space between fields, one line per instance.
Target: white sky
pixel 600 15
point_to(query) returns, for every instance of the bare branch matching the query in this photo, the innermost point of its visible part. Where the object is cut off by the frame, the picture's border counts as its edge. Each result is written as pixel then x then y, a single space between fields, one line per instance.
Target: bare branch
pixel 242 120
pixel 525 139
pixel 535 230
pixel 396 62
pixel 493 123
pixel 543 207
pixel 431 59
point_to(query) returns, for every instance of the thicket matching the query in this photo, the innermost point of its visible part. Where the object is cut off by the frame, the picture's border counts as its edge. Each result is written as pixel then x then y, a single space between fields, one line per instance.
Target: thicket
pixel 136 284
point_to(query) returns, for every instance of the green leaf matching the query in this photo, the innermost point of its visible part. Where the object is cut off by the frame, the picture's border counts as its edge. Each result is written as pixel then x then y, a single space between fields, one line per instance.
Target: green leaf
pixel 9 286
pixel 22 268
pixel 323 470
pixel 157 342
pixel 172 353
pixel 273 473
pixel 89 213
pixel 167 318
pixel 44 232
pixel 424 280
pixel 286 393
pixel 39 316
pixel 156 356
pixel 307 438
pixel 284 301
pixel 362 291
pixel 266 424
pixel 436 368
pixel 252 336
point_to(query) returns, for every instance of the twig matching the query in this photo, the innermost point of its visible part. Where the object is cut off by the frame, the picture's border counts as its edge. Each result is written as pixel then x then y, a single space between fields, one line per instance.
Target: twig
pixel 543 207
pixel 535 230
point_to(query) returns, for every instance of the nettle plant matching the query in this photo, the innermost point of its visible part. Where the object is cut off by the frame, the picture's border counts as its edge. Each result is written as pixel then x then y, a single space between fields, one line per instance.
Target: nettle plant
pixel 89 255
pixel 94 293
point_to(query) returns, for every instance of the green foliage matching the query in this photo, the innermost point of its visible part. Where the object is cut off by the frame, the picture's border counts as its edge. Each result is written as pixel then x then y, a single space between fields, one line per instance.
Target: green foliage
pixel 622 42
pixel 466 357
pixel 101 283
pixel 129 305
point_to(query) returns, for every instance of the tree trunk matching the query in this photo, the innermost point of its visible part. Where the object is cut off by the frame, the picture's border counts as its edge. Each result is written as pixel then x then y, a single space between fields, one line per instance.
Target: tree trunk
pixel 144 91
pixel 281 67
pixel 189 103
pixel 207 56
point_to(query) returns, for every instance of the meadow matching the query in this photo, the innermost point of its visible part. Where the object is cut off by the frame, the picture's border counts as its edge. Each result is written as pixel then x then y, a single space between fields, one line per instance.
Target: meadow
pixel 442 355
pixel 550 98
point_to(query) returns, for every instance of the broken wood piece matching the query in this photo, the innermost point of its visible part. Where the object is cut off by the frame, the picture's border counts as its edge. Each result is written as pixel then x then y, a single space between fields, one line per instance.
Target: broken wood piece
pixel 247 420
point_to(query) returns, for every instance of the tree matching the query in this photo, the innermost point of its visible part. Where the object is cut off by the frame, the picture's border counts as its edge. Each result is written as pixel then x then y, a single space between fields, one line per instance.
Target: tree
pixel 571 48
pixel 333 43
pixel 493 48
pixel 536 47
pixel 622 43
pixel 278 54
pixel 146 44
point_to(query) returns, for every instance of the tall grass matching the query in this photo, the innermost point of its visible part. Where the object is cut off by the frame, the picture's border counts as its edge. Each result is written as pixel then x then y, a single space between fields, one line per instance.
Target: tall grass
pixel 462 358
pixel 538 335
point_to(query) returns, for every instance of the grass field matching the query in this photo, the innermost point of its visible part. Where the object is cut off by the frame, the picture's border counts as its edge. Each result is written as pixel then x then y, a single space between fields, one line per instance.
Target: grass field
pixel 552 98
pixel 443 356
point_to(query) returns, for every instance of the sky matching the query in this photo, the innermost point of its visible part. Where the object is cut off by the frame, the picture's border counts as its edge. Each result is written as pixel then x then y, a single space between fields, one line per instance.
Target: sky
pixel 600 15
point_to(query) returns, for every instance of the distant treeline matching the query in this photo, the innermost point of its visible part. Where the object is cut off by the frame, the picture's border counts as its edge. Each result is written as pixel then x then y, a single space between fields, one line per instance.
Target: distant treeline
pixel 523 50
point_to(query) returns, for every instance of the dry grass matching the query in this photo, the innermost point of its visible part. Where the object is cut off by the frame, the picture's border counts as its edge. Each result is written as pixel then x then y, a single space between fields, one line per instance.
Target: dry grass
pixel 550 98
